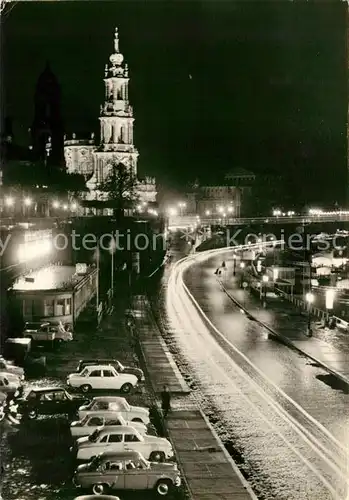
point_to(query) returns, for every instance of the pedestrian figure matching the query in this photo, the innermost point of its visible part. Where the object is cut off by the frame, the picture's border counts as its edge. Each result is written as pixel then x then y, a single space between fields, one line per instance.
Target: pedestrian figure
pixel 223 263
pixel 216 271
pixel 165 401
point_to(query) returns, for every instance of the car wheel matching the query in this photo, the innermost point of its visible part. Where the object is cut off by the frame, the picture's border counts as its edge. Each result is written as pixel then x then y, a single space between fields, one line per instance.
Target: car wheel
pixel 85 388
pixel 126 388
pixel 157 456
pixel 32 414
pixel 163 487
pixel 99 489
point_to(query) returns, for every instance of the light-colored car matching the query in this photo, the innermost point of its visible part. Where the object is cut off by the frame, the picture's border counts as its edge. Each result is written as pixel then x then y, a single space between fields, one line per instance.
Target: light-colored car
pixel 93 421
pixel 108 405
pixel 7 386
pixel 127 471
pixel 8 367
pixel 12 377
pixel 102 377
pixel 121 438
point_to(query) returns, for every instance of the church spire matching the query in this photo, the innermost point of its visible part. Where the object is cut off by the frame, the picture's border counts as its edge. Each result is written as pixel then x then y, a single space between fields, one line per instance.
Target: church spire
pixel 116 40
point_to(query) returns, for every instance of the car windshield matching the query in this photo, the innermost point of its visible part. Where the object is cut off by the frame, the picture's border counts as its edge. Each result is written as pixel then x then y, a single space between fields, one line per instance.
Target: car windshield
pixel 120 366
pixel 94 436
pixel 95 462
pixel 84 373
pixel 84 420
pixel 32 326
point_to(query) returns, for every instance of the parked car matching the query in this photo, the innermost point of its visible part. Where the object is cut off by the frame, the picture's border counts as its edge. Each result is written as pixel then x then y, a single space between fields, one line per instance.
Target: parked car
pixel 119 438
pixel 12 377
pixel 127 470
pixel 7 385
pixel 108 405
pixel 102 377
pixel 93 421
pixel 48 401
pixel 46 332
pixel 39 332
pixel 120 368
pixel 9 367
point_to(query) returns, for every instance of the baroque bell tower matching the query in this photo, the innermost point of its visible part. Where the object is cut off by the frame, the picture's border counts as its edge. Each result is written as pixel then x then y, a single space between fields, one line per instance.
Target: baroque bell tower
pixel 116 119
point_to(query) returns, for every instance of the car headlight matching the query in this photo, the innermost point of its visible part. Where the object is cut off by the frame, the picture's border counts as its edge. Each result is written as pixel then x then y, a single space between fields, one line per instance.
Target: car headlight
pixel 177 481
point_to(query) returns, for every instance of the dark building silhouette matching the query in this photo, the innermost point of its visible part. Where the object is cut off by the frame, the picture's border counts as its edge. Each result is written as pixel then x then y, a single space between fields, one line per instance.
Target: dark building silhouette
pixel 47 127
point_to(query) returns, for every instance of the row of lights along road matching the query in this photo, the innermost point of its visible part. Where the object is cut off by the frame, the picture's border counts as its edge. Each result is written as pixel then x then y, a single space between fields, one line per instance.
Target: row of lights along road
pixel 10 202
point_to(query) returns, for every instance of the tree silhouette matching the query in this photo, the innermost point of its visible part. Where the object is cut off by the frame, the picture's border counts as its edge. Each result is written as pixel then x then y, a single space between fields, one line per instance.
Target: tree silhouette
pixel 120 188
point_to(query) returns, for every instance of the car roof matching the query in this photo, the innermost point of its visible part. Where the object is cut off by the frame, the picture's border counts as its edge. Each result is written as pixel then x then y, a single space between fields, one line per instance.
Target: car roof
pixel 92 497
pixel 96 359
pixel 48 388
pixel 108 398
pixel 118 428
pixel 100 367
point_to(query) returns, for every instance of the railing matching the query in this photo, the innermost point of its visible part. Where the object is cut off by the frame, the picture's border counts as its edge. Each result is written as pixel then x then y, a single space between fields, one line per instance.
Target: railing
pixel 235 221
pixel 315 311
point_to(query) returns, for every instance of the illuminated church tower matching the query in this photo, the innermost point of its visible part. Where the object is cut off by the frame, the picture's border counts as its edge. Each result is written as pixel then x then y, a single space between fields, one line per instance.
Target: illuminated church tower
pixel 116 118
pixel 116 135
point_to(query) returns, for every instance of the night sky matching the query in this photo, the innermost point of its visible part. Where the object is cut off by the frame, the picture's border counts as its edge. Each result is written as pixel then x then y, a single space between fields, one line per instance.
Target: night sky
pixel 214 85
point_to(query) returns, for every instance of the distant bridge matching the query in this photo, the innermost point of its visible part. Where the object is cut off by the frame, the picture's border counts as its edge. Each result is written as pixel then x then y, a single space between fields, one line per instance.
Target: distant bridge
pixel 186 220
pixel 191 220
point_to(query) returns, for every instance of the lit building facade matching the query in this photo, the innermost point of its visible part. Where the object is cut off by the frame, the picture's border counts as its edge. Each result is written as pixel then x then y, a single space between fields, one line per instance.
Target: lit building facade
pixel 226 198
pixel 116 143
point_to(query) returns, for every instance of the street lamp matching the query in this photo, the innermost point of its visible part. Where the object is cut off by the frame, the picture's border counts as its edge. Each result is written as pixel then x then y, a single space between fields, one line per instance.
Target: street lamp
pixel 55 204
pixel 207 212
pixel 309 297
pixel 230 209
pixel 27 202
pixel 65 207
pixel 181 206
pixel 172 211
pixel 73 206
pixel 9 201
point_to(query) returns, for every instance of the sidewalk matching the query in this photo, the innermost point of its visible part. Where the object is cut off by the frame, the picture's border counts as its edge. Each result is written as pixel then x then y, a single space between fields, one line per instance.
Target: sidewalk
pixel 284 321
pixel 208 470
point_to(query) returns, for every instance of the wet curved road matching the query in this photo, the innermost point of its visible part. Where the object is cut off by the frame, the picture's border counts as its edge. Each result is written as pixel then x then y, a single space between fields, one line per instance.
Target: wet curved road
pixel 291 428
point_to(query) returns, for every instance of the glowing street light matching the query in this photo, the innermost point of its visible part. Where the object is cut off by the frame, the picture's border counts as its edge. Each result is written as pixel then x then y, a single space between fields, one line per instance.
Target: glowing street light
pixel 182 205
pixel 207 212
pixel 275 273
pixel 230 209
pixel 172 211
pixel 27 202
pixel 330 295
pixel 277 213
pixel 74 206
pixel 220 210
pixel 9 201
pixel 55 204
pixel 65 207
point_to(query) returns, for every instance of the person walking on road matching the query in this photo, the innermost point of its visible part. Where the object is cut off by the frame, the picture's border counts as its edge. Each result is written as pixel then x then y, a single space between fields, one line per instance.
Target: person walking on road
pixel 165 401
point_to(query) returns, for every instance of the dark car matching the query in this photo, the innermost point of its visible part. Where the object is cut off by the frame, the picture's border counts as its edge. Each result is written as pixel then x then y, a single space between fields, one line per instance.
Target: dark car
pixel 48 401
pixel 113 362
